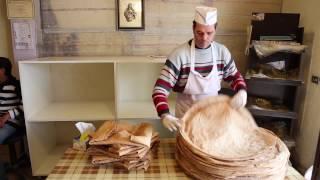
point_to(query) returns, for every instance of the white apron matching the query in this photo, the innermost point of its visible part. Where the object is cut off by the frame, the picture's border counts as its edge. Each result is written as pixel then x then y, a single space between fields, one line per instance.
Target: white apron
pixel 198 87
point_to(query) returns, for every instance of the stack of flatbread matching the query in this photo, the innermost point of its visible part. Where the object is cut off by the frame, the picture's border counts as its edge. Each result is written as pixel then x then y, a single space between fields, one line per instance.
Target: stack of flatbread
pixel 122 144
pixel 219 142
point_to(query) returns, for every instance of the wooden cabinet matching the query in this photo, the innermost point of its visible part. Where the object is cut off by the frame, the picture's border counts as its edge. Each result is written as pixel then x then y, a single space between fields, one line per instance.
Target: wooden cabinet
pixel 274 80
pixel 58 92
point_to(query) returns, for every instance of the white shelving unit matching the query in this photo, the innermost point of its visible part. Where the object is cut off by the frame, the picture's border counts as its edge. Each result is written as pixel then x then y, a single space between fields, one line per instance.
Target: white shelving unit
pixel 59 91
pixel 76 111
pixel 135 83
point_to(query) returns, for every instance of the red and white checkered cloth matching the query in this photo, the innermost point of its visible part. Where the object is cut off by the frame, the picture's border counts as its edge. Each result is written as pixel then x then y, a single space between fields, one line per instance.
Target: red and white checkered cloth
pixel 77 165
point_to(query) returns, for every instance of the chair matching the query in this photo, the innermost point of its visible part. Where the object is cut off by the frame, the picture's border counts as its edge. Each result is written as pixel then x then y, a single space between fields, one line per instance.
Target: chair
pixel 18 136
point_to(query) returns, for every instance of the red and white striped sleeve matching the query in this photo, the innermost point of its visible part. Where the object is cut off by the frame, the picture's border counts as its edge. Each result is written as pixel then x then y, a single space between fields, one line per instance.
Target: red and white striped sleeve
pixel 163 86
pixel 231 73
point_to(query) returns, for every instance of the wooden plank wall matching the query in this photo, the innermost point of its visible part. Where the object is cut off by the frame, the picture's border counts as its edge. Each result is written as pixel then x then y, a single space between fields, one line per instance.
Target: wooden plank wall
pixel 88 27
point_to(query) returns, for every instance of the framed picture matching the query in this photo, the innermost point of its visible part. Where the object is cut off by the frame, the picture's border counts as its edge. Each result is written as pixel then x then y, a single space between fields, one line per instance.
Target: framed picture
pixel 130 14
pixel 20 9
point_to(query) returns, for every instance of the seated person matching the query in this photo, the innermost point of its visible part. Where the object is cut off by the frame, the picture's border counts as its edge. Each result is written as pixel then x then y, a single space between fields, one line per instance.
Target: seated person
pixel 11 110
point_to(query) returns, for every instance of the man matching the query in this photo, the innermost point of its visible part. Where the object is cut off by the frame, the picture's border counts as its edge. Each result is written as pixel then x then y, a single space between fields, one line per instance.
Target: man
pixel 11 113
pixel 195 69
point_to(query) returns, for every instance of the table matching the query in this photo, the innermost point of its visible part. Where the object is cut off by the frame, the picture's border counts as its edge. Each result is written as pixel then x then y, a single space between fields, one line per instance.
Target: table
pixel 76 165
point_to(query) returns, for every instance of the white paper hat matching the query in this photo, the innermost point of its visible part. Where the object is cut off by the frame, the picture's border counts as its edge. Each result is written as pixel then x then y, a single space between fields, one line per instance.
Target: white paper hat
pixel 206 15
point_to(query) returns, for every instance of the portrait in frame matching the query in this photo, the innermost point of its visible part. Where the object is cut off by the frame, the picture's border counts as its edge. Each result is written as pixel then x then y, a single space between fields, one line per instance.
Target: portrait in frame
pixel 130 14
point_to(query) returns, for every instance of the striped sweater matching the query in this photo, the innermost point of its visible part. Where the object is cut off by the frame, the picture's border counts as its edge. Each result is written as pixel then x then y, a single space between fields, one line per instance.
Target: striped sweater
pixel 175 72
pixel 11 101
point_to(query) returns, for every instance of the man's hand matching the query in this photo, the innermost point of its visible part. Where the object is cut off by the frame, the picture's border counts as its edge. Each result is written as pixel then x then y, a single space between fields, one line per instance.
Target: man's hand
pixel 171 122
pixel 1 123
pixel 4 118
pixel 239 100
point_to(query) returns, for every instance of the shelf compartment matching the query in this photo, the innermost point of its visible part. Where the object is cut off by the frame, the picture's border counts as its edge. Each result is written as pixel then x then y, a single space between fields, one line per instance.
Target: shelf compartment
pixel 141 110
pixel 289 142
pixel 279 127
pixel 51 159
pixel 289 82
pixel 48 141
pixel 67 87
pixel 277 56
pixel 134 86
pixel 75 111
pixel 273 113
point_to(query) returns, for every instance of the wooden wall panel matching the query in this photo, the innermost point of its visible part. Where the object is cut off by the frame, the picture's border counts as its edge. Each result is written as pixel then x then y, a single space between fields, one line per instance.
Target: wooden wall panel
pixel 76 4
pixel 77 14
pixel 79 19
pixel 88 27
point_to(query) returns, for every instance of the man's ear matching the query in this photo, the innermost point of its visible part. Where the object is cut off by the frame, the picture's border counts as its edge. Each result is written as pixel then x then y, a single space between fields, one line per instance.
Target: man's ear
pixel 194 25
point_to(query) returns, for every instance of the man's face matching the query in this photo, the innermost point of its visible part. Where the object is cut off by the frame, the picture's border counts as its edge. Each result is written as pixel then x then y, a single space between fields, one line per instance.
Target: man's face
pixel 203 35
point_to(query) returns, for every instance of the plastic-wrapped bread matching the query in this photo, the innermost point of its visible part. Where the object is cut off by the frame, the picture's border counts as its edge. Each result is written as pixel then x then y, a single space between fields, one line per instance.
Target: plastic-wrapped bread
pixel 143 134
pixel 124 144
pixel 97 150
pixel 96 160
pixel 121 137
pixel 125 151
pixel 103 133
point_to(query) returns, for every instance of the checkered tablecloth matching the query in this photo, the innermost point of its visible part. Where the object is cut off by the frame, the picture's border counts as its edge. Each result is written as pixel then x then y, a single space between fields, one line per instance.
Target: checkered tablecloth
pixel 76 165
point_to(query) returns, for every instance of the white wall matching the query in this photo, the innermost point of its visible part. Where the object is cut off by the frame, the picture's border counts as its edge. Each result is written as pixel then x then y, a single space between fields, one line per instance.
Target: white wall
pixel 310 125
pixel 4 31
pixel 5 37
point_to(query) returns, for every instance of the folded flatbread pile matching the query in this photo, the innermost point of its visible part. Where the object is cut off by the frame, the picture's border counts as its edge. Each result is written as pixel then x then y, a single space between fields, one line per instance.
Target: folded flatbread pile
pixel 122 144
pixel 219 142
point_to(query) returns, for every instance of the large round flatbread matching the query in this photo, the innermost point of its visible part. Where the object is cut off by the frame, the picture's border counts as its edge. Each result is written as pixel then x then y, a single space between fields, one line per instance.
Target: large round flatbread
pixel 219 142
pixel 219 130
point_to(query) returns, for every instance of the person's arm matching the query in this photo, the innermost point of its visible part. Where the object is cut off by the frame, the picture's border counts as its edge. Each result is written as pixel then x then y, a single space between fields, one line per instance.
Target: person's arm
pixel 16 112
pixel 163 86
pixel 231 73
pixel 4 118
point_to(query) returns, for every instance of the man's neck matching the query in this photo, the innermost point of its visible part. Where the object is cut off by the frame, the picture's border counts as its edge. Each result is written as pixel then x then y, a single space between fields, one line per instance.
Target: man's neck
pixel 189 42
pixel 202 48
